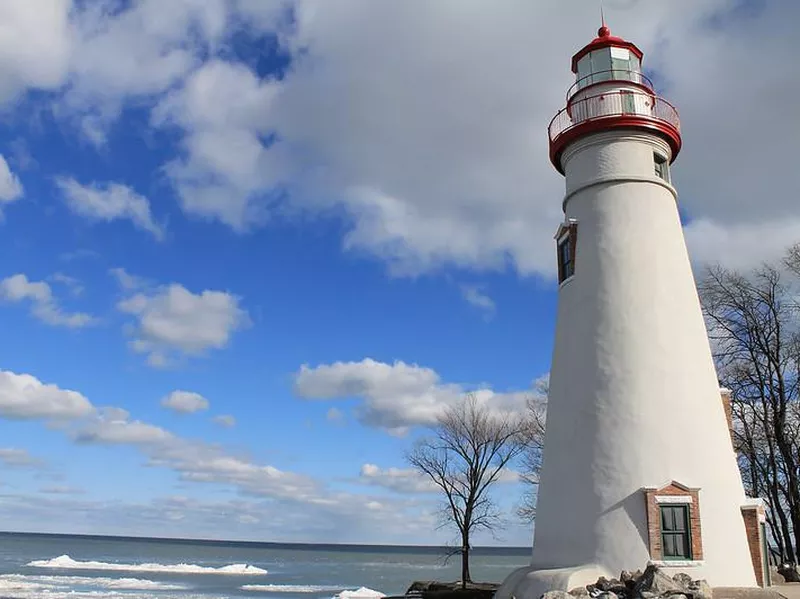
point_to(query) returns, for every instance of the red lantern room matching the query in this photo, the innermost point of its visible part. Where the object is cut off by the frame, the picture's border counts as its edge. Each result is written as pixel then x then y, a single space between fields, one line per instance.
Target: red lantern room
pixel 611 92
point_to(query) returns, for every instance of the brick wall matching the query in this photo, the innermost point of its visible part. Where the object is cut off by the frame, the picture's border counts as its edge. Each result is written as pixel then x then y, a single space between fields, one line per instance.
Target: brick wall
pixel 752 525
pixel 654 519
pixel 725 394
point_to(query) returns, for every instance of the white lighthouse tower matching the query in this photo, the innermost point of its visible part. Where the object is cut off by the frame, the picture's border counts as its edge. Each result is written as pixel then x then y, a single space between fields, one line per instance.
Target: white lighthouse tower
pixel 638 464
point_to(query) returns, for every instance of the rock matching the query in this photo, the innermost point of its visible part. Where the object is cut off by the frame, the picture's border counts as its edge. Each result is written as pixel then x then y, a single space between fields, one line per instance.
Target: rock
pixel 579 592
pixel 775 576
pixel 700 589
pixel 683 579
pixel 656 581
pixel 556 595
pixel 789 572
pixel 607 595
pixel 602 583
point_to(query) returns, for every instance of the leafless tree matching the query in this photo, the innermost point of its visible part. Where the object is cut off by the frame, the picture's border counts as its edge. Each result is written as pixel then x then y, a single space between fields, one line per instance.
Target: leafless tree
pixel 753 327
pixel 470 447
pixel 531 458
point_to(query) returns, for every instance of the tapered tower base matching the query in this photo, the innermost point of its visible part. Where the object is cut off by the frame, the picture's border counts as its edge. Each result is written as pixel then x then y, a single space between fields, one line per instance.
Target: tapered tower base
pixel 531 583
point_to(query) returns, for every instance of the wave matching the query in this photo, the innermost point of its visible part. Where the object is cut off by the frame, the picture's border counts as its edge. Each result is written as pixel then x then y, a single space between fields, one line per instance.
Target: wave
pixel 289 588
pixel 33 590
pixel 362 593
pixel 128 584
pixel 65 562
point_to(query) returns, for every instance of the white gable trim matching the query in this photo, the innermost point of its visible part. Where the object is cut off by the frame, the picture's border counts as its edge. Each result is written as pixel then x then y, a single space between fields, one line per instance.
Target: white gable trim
pixel 673 498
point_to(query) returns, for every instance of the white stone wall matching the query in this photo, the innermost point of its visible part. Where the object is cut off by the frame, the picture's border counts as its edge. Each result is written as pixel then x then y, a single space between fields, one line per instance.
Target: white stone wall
pixel 634 397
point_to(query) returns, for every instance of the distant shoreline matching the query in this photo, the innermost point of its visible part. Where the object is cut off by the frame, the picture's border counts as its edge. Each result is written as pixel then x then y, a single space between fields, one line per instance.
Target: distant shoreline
pixel 356 548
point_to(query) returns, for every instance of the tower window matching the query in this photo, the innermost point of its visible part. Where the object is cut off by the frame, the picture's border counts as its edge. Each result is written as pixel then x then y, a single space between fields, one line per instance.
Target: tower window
pixel 566 252
pixel 675 532
pixel 661 166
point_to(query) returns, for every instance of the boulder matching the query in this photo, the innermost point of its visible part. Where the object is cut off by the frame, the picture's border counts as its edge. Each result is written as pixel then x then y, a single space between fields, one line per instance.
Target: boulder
pixel 789 572
pixel 579 592
pixel 556 595
pixel 700 589
pixel 682 579
pixel 655 581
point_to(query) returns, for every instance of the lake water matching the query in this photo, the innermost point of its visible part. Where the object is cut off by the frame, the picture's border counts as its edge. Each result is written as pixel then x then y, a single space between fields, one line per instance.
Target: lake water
pixel 76 567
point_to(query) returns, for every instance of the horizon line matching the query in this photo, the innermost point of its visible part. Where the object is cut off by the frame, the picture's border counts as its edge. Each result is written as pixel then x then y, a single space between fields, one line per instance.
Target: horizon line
pixel 207 541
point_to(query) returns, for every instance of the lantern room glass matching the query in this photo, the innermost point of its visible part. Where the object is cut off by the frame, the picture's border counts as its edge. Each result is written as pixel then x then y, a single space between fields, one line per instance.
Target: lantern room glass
pixel 608 64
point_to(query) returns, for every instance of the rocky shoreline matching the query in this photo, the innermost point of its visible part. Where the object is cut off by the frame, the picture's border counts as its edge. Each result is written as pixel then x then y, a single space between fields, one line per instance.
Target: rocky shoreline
pixel 653 583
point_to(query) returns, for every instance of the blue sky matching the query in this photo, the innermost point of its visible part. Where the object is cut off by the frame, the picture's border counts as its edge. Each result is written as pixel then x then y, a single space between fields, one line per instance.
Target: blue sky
pixel 321 224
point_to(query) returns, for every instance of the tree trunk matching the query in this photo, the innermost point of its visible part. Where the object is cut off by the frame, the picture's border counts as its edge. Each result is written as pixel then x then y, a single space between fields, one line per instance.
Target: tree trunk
pixel 465 576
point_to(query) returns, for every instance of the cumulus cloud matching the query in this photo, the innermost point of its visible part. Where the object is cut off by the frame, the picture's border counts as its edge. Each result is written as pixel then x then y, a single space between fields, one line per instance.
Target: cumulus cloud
pixel 224 420
pixel 185 402
pixel 224 108
pixel 24 397
pixel 108 202
pixel 171 320
pixel 44 306
pixel 10 186
pixel 436 146
pixel 395 396
pixel 36 45
pixel 113 426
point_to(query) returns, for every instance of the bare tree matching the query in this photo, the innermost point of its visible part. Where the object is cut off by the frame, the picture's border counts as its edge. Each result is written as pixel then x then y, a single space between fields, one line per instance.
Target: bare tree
pixel 469 448
pixel 753 327
pixel 531 458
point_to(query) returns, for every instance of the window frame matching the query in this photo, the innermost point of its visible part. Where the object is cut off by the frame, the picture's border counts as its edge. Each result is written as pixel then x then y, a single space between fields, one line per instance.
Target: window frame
pixel 567 240
pixel 685 533
pixel 661 166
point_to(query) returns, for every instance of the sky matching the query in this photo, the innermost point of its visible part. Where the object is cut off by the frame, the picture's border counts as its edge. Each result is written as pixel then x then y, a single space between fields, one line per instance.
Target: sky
pixel 250 249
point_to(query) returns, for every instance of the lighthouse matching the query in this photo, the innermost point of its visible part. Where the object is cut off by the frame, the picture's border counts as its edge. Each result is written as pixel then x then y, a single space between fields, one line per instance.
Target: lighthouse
pixel 638 465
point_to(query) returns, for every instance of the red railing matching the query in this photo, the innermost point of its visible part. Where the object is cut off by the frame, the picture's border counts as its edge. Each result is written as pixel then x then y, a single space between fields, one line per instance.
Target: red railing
pixel 607 76
pixel 617 103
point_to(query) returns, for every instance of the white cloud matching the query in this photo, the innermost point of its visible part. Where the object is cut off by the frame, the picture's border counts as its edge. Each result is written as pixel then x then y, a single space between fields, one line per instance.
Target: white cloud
pixel 108 202
pixel 408 480
pixel 113 426
pixel 224 420
pixel 428 128
pixel 10 186
pixel 17 458
pixel 224 109
pixel 475 296
pixel 18 288
pixel 395 396
pixel 185 402
pixel 24 397
pixel 397 479
pixel 35 47
pixel 173 320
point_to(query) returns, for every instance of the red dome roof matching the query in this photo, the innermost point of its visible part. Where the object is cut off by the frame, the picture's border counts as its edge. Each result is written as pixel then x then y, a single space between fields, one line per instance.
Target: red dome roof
pixel 604 39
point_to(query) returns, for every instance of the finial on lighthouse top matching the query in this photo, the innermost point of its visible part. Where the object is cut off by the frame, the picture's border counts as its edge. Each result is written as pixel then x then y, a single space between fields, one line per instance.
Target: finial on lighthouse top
pixel 604 31
pixel 603 40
